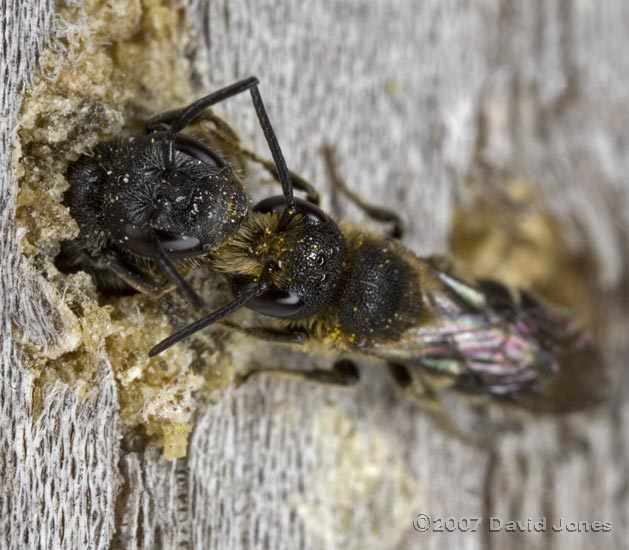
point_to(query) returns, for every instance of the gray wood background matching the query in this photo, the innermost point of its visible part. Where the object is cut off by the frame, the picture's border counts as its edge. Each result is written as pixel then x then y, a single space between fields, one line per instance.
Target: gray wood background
pixel 415 95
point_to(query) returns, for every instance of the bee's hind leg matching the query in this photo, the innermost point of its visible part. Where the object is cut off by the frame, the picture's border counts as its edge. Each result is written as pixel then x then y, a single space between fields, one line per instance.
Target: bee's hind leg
pixel 342 373
pixel 419 389
pixel 377 213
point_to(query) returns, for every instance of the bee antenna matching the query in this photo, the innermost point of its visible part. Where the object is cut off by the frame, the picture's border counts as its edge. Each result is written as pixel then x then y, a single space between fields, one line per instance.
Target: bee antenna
pixel 276 151
pixel 192 112
pixel 227 309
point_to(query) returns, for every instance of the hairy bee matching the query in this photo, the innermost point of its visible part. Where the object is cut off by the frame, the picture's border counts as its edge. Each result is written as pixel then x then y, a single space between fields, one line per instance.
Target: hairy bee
pixel 146 205
pixel 365 293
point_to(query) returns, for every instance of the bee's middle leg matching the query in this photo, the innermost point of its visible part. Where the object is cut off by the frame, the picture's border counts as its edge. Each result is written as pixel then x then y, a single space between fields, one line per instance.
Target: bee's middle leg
pixel 225 134
pixel 312 193
pixel 270 334
pixel 377 213
pixel 342 373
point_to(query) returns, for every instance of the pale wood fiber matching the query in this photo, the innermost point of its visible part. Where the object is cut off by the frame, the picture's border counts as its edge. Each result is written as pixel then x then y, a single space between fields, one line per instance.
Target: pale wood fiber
pixel 416 96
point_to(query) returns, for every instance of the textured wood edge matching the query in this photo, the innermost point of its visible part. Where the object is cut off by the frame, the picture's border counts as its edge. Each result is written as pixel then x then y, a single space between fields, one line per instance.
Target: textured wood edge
pixel 266 464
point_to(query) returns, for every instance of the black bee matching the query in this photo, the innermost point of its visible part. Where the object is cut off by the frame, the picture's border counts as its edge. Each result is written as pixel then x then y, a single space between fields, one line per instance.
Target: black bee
pixel 365 293
pixel 161 198
pixel 156 200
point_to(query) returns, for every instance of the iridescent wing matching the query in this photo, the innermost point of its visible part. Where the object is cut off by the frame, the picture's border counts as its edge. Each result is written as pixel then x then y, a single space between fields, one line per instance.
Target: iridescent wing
pixel 490 340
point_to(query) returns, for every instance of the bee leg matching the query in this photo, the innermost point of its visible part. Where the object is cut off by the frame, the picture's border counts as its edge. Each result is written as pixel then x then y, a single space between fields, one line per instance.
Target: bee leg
pixel 271 334
pixel 230 139
pixel 440 262
pixel 377 213
pixel 137 279
pixel 196 111
pixel 419 389
pixel 224 131
pixel 342 373
pixel 299 183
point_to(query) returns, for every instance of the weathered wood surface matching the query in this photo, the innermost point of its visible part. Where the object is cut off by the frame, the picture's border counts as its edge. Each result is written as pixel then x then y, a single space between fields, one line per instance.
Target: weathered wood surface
pixel 415 95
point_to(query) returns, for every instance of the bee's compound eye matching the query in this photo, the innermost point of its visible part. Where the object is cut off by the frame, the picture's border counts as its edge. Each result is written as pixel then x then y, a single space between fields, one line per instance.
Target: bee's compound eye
pixel 274 302
pixel 278 204
pixel 179 246
pixel 196 149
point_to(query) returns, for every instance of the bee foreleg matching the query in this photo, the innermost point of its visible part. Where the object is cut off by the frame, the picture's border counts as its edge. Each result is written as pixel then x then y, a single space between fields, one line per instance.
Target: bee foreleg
pixel 377 213
pixel 342 373
pixel 137 279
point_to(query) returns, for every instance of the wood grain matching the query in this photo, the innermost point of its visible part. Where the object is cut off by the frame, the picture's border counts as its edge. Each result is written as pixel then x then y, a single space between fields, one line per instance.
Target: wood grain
pixel 418 98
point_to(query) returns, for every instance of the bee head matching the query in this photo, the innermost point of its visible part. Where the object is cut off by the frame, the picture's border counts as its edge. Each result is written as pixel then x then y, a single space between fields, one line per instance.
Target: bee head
pixel 300 253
